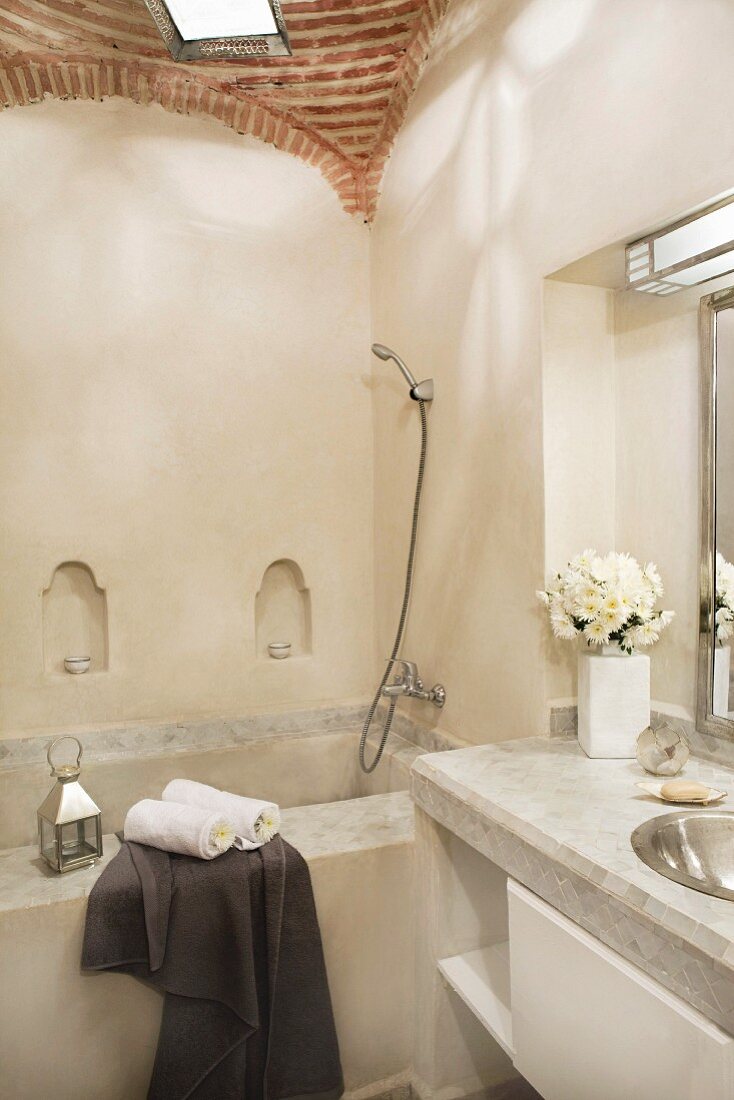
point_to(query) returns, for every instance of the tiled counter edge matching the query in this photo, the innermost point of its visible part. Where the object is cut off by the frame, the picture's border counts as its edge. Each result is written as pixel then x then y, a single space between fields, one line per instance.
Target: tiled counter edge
pixel 698 978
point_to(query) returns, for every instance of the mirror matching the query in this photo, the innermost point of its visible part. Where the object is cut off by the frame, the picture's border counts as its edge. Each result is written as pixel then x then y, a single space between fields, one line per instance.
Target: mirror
pixel 716 668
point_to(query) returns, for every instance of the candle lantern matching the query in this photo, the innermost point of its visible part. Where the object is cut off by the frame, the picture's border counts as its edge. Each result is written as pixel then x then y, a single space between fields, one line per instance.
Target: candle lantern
pixel 69 822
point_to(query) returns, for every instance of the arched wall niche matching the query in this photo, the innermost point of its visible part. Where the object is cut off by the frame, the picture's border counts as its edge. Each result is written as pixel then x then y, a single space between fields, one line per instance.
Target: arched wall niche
pixel 74 618
pixel 283 609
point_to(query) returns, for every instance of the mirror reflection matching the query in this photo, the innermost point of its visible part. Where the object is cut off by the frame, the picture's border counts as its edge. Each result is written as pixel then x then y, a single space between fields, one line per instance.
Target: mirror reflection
pixel 722 703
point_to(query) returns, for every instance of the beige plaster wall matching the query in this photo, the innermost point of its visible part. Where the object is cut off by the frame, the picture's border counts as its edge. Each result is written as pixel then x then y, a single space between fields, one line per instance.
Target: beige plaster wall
pixel 536 136
pixel 185 399
pixel 579 441
pixel 657 477
pixel 578 410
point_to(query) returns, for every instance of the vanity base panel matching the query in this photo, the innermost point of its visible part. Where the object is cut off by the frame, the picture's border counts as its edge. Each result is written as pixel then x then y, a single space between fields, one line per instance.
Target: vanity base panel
pixel 586 1022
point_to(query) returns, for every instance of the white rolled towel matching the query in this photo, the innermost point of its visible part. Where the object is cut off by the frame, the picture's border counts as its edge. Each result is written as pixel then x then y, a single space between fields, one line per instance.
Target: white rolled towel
pixel 175 827
pixel 255 822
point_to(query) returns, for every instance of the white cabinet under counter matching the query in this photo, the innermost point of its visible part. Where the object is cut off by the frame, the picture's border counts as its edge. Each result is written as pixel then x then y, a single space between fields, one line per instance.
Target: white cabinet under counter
pixel 617 983
pixel 586 1023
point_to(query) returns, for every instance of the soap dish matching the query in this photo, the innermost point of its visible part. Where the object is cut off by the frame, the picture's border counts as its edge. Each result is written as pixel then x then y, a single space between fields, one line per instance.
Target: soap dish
pixel 655 789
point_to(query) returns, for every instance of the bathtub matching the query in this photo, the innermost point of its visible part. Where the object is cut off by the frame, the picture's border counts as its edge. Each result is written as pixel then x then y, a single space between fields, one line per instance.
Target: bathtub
pixel 71 1034
pixel 294 758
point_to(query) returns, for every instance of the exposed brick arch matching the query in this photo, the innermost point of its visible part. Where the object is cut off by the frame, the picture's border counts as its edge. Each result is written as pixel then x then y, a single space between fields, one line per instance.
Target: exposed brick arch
pixel 337 104
pixel 26 81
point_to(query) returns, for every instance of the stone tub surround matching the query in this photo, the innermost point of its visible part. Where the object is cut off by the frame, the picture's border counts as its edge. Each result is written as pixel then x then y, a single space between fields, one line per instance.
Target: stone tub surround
pixel 360 858
pixel 331 829
pixel 295 757
pixel 429 738
pixel 560 824
pixel 158 738
pixel 299 768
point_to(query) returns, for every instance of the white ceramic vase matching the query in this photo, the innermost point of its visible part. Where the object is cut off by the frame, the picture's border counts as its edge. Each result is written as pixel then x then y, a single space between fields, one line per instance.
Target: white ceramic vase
pixel 722 669
pixel 614 701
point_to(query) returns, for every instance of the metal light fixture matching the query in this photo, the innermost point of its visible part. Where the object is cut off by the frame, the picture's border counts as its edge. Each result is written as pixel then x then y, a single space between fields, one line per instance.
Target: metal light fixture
pixel 692 251
pixel 69 822
pixel 220 30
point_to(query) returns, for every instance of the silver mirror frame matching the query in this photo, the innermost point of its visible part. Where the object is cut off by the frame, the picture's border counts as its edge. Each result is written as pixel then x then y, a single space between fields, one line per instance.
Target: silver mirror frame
pixel 706 720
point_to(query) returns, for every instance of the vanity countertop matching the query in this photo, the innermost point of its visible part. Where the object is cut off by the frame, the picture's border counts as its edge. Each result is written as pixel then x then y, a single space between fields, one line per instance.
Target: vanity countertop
pixel 561 824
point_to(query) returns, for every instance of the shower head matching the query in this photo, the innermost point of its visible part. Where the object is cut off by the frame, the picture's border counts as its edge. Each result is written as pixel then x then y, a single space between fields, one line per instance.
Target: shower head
pixel 419 391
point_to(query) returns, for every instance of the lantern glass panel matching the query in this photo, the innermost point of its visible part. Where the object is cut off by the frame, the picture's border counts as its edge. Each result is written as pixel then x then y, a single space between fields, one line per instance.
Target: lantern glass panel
pixel 48 841
pixel 79 840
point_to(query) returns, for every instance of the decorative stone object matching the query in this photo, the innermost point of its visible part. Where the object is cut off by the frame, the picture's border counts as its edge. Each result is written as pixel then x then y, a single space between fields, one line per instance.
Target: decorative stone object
pixel 614 702
pixel 662 751
pixel 722 668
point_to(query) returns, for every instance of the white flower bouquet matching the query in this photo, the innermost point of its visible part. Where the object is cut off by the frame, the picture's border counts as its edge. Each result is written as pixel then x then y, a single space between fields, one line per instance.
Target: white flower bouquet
pixel 608 600
pixel 724 599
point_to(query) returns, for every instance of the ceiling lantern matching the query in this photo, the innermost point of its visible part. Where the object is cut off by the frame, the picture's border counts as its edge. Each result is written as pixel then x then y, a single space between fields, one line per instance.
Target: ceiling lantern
pixel 221 30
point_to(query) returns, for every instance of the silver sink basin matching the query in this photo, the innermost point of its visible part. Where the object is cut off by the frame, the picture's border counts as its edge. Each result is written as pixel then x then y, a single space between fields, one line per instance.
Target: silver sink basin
pixel 693 847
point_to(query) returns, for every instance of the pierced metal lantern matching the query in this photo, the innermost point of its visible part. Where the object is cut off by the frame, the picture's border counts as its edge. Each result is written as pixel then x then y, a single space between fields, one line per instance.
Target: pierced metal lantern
pixel 69 822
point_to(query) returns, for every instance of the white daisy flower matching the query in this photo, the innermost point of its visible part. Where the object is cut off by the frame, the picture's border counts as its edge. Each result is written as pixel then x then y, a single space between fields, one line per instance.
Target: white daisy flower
pixel 650 572
pixel 596 633
pixel 599 594
pixel 267 825
pixel 582 562
pixel 222 836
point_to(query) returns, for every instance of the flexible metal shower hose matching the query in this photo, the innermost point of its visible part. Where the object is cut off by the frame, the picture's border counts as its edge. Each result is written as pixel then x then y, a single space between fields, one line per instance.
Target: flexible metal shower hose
pixel 403 616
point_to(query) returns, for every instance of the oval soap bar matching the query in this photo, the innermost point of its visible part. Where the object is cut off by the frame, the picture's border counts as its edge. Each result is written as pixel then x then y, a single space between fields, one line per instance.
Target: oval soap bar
pixel 684 790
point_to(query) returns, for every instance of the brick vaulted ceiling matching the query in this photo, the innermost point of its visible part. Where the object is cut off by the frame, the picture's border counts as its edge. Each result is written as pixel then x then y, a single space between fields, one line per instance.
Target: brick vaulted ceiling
pixel 337 103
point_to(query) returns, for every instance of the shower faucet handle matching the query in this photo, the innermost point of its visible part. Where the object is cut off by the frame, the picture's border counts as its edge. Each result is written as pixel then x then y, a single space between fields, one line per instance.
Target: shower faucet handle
pixel 408 682
pixel 409 675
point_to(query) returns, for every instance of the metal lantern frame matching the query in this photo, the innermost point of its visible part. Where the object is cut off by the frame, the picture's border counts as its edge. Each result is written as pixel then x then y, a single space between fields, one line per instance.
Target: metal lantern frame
pixel 222 48
pixel 68 809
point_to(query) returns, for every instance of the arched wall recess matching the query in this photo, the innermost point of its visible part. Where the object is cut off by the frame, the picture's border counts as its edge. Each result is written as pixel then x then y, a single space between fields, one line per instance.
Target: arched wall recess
pixel 283 609
pixel 74 618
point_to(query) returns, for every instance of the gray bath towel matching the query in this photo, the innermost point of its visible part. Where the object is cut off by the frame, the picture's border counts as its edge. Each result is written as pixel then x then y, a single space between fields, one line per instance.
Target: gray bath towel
pixel 234 945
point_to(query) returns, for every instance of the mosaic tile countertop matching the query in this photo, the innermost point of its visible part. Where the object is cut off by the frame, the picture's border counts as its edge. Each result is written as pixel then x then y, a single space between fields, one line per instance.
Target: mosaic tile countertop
pixel 332 829
pixel 561 824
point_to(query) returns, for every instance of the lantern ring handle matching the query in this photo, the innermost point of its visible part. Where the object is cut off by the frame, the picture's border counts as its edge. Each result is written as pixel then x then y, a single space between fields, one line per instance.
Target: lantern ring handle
pixel 64 737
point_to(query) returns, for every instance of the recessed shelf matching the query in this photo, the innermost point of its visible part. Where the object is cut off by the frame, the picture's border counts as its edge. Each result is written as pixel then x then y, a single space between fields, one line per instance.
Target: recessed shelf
pixel 482 979
pixel 74 612
pixel 283 611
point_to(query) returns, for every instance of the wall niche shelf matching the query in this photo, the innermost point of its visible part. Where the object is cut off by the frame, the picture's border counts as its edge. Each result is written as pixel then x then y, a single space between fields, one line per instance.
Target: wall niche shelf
pixel 74 612
pixel 283 610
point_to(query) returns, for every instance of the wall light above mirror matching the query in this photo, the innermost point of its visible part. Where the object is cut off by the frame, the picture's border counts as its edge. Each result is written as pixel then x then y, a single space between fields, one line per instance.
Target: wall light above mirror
pixel 691 251
pixel 221 30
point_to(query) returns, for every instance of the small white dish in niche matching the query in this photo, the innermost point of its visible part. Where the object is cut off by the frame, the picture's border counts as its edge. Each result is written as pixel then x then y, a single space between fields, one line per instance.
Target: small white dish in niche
pixel 77 665
pixel 697 795
pixel 279 650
